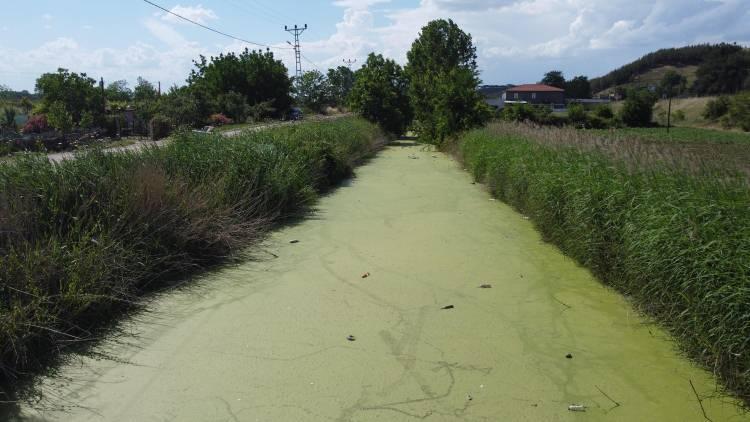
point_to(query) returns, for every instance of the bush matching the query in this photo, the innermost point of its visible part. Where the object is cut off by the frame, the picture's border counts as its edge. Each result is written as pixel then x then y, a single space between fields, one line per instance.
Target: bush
pixel 159 127
pixel 717 108
pixel 638 110
pixel 738 114
pixel 220 119
pixel 36 124
pixel 604 111
pixel 679 116
pixel 577 114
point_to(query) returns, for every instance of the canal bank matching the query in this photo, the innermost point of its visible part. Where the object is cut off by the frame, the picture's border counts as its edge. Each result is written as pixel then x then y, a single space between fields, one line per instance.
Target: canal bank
pixel 378 312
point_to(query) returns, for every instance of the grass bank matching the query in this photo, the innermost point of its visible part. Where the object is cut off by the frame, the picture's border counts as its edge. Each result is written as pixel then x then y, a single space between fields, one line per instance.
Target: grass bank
pixel 82 239
pixel 674 237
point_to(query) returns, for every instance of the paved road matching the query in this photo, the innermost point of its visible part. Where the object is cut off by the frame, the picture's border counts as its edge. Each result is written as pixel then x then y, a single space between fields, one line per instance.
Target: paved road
pixel 268 340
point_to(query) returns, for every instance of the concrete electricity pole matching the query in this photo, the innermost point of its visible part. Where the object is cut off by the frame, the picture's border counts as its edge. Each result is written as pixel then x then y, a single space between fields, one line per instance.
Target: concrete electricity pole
pixel 296 31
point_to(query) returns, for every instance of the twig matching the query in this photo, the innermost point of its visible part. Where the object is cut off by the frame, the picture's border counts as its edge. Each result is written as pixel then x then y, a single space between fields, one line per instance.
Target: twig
pixel 700 402
pixel 617 404
pixel 561 303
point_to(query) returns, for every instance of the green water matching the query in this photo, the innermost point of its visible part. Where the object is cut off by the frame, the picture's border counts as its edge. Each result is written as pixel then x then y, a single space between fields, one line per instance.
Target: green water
pixel 267 341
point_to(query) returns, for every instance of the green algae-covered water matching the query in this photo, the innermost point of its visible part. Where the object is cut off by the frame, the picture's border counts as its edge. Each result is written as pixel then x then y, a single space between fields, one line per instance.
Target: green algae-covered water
pixel 267 341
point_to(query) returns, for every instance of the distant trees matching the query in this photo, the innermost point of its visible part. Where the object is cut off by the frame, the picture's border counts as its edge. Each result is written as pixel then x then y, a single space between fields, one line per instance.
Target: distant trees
pixel 554 78
pixel 340 82
pixel 118 91
pixel 9 118
pixel 313 91
pixel 672 84
pixel 578 87
pixel 638 110
pixel 380 94
pixel 730 111
pixel 724 71
pixel 443 80
pixel 144 91
pixel 72 92
pixel 257 75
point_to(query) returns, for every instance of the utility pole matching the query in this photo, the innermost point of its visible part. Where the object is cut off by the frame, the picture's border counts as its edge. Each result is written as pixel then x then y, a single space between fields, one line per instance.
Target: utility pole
pixel 296 31
pixel 350 62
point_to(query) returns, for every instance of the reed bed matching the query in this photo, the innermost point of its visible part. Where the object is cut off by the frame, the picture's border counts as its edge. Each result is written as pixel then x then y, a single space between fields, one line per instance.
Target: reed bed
pixel 664 225
pixel 81 240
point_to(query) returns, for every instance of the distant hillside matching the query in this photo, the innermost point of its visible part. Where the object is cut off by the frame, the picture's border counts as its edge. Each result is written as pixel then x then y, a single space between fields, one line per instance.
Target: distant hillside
pixel 710 69
pixel 652 78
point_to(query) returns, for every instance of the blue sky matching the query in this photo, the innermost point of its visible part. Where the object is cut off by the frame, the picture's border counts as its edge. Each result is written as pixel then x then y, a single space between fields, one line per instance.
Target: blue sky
pixel 517 40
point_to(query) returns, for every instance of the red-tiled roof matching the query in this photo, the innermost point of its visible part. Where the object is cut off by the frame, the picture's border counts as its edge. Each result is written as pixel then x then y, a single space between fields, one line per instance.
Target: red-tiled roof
pixel 535 88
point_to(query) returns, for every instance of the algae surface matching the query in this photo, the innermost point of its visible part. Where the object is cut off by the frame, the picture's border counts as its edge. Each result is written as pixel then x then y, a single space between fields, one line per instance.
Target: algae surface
pixel 268 340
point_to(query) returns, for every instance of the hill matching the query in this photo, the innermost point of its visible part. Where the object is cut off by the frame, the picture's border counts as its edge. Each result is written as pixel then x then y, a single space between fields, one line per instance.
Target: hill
pixel 710 69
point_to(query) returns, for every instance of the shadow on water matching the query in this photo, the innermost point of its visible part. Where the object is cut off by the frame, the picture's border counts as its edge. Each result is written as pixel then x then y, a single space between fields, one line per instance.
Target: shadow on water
pixel 26 391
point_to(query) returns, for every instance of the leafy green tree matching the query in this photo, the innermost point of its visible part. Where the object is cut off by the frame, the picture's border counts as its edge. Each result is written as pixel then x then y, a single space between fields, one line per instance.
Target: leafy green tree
pixel 724 71
pixel 312 91
pixel 578 87
pixel 144 91
pixel 26 105
pixel 380 94
pixel 443 82
pixel 118 91
pixel 638 110
pixel 672 84
pixel 9 118
pixel 76 92
pixel 604 111
pixel 340 82
pixel 234 105
pixel 59 117
pixel 576 113
pixel 717 108
pixel 738 114
pixel 87 120
pixel 257 75
pixel 180 106
pixel 554 78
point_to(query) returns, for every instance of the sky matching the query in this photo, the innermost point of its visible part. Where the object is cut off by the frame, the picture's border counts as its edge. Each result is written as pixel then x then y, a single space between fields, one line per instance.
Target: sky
pixel 517 40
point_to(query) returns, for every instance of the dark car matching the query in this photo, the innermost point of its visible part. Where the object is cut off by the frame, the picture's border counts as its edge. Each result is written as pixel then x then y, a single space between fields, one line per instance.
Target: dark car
pixel 295 114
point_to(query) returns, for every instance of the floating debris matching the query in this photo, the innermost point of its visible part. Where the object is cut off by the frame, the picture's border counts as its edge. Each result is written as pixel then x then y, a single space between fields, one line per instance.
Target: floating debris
pixel 351 338
pixel 577 408
pixel 365 275
pixel 569 356
pixel 294 241
pixel 485 286
pixel 448 307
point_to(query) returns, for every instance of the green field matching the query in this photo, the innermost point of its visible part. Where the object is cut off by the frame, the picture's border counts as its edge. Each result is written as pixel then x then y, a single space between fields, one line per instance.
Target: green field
pixel 679 134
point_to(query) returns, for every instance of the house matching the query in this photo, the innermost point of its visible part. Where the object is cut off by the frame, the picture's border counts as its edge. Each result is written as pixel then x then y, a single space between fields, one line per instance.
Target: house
pixel 493 94
pixel 535 94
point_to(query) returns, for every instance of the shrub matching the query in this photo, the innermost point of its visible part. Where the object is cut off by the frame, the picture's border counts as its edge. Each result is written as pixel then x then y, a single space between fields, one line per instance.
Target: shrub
pixel 679 116
pixel 717 108
pixel 59 117
pixel 159 127
pixel 577 114
pixel 220 119
pixel 638 110
pixel 738 114
pixel 36 124
pixel 604 111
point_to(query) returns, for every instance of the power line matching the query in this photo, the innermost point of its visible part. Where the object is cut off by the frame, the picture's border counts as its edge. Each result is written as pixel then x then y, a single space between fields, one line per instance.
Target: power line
pixel 296 31
pixel 312 63
pixel 212 29
pixel 255 13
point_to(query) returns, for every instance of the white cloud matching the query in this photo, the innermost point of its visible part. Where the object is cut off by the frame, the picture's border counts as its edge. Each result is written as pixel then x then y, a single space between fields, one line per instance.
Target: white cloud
pixel 197 13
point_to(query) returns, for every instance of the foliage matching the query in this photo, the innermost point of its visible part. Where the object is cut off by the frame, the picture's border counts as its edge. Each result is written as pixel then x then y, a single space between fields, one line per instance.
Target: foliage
pixel 380 94
pixel 677 243
pixel 234 105
pixel 679 116
pixel 312 91
pixel 118 91
pixel 578 87
pixel 144 91
pixel 340 82
pixel 220 119
pixel 261 109
pixel 738 114
pixel 576 113
pixel 87 120
pixel 180 106
pixel 723 72
pixel 26 105
pixel 604 111
pixel 443 81
pixel 87 236
pixel 678 57
pixel 36 124
pixel 690 135
pixel 638 110
pixel 9 118
pixel 256 75
pixel 59 117
pixel 75 92
pixel 717 108
pixel 539 114
pixel 554 78
pixel 672 84
pixel 159 127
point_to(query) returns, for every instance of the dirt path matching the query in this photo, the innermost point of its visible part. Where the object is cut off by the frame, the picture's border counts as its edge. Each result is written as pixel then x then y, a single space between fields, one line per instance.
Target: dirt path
pixel 267 341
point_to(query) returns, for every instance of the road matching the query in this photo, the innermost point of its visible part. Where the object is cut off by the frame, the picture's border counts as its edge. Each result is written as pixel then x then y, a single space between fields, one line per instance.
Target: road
pixel 374 310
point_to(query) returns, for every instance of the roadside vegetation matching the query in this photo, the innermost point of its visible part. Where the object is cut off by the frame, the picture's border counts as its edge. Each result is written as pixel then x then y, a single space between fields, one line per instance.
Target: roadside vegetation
pixel 666 227
pixel 81 240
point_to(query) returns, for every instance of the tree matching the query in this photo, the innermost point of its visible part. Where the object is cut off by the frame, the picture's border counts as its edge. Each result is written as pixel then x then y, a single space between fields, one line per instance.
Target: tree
pixel 672 83
pixel 380 94
pixel 312 90
pixel 738 114
pixel 118 91
pixel 59 117
pixel 554 78
pixel 26 105
pixel 76 92
pixel 724 71
pixel 443 81
pixel 340 82
pixel 180 106
pixel 234 105
pixel 257 75
pixel 144 91
pixel 638 110
pixel 578 87
pixel 9 118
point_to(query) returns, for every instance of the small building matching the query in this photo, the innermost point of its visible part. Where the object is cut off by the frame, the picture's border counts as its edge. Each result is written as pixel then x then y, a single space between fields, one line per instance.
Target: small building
pixel 535 94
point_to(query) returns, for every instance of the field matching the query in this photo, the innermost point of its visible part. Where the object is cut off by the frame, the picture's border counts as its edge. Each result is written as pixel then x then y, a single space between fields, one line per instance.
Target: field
pixel 665 223
pixel 680 134
pixel 81 240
